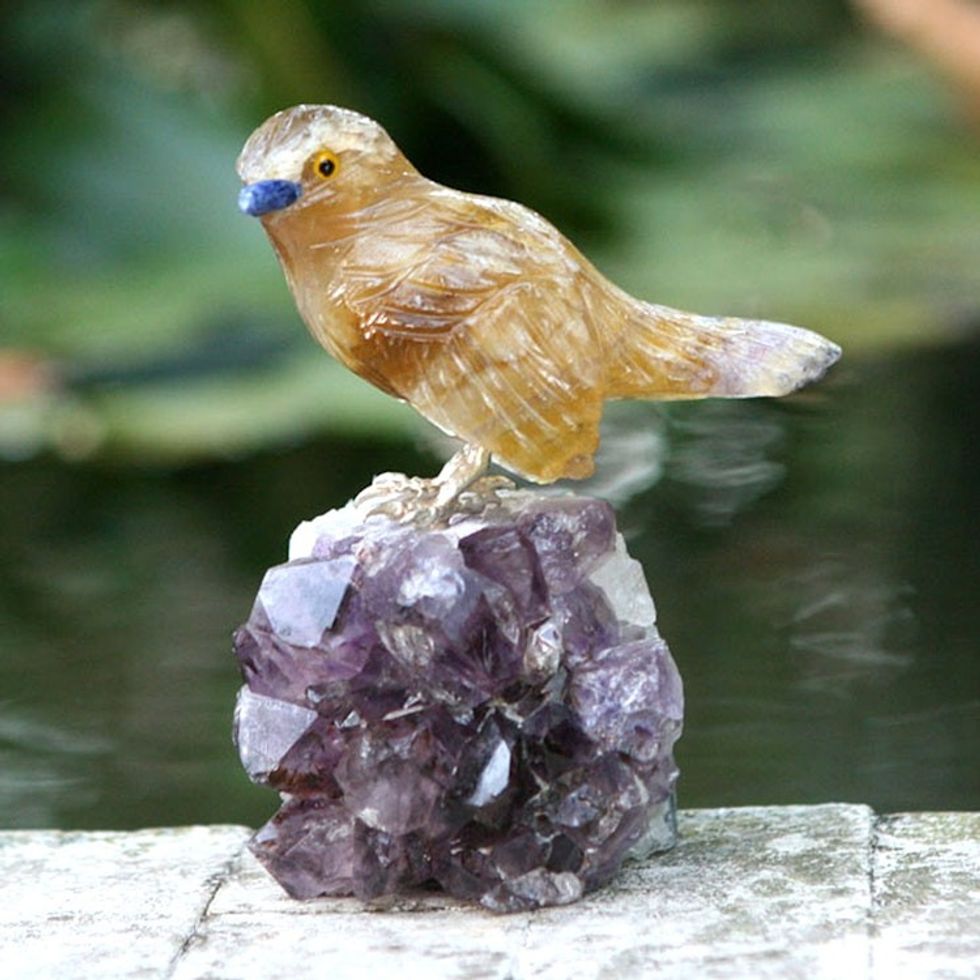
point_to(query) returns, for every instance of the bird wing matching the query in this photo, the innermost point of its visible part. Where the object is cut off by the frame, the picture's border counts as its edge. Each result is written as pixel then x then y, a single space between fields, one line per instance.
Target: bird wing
pixel 489 303
pixel 429 271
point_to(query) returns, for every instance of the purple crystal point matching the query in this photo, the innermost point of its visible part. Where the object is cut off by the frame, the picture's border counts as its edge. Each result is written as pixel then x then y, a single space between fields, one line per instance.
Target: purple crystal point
pixel 485 705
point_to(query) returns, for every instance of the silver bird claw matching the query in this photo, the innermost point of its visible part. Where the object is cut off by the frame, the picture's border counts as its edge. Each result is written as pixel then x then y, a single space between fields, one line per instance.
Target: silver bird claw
pixel 460 487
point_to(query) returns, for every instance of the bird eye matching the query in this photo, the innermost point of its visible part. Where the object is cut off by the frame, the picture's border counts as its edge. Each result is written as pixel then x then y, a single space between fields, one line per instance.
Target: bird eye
pixel 325 164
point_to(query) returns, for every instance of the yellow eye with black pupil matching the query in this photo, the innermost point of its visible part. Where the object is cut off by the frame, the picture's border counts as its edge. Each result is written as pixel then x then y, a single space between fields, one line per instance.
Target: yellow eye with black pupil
pixel 325 164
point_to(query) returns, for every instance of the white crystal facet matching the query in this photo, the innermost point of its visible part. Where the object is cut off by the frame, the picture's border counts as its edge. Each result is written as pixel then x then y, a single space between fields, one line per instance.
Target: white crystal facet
pixel 622 580
pixel 493 779
pixel 332 524
pixel 301 601
pixel 542 655
pixel 266 729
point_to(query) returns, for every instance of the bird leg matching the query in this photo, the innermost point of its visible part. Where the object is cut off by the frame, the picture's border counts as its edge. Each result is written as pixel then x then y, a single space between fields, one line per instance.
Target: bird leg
pixel 414 500
pixel 465 467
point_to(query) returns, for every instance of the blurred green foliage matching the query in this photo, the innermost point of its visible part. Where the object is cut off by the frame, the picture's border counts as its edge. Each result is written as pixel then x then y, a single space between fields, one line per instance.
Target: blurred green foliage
pixel 717 155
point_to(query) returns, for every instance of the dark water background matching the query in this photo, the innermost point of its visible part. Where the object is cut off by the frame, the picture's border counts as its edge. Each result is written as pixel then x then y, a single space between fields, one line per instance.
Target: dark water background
pixel 814 562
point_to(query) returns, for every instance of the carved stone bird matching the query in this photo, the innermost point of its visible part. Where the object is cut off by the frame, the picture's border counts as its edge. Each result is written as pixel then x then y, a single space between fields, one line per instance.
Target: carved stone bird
pixel 475 310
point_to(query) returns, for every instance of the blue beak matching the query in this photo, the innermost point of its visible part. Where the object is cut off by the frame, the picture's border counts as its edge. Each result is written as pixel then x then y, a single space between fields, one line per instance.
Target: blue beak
pixel 267 195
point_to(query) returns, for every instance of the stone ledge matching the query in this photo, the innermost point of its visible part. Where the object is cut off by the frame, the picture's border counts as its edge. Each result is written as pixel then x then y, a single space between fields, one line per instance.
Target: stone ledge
pixel 815 891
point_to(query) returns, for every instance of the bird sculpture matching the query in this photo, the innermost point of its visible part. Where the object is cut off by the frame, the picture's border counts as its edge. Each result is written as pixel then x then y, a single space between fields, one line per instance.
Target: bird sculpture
pixel 476 310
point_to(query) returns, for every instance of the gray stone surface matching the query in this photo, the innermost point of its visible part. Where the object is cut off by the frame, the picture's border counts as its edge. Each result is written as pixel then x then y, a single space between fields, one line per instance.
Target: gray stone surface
pixel 107 904
pixel 824 891
pixel 927 895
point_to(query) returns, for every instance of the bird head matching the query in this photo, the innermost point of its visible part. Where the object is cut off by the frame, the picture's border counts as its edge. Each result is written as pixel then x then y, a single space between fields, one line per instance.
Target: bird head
pixel 318 156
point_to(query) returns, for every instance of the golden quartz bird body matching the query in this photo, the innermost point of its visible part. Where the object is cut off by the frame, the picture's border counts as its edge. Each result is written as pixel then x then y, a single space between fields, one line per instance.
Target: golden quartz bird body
pixel 476 310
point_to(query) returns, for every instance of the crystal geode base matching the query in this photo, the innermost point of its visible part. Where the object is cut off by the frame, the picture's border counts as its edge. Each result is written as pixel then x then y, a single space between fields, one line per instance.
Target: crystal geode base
pixel 486 705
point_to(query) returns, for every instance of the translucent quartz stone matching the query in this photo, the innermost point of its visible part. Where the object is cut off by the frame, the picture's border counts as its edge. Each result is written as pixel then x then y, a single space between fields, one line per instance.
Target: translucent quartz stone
pixel 479 313
pixel 486 706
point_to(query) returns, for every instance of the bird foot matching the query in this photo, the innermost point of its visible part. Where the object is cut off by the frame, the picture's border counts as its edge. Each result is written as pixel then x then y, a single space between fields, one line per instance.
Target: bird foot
pixel 460 487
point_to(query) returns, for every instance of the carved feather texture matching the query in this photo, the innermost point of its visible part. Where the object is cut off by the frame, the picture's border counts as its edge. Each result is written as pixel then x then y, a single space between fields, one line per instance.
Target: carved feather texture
pixel 481 314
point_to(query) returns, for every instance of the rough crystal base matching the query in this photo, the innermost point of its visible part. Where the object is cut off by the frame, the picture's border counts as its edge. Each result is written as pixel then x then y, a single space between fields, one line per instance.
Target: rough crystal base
pixel 485 705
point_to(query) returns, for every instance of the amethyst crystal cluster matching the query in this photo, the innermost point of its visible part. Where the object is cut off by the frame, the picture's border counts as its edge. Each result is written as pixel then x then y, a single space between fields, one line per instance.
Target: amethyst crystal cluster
pixel 485 705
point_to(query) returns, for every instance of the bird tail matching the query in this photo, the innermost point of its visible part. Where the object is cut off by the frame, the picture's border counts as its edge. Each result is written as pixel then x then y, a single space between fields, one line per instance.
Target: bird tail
pixel 667 354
